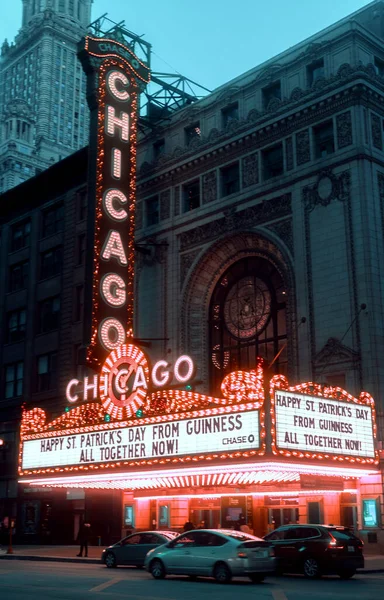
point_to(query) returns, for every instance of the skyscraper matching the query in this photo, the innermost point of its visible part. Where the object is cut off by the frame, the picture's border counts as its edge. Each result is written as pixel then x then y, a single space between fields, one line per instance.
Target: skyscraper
pixel 43 115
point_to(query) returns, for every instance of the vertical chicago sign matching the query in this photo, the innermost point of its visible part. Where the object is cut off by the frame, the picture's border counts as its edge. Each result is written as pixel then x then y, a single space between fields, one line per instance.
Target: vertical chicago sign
pixel 115 77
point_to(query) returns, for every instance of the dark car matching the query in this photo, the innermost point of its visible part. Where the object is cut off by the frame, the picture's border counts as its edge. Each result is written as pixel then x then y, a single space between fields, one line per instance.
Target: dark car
pixel 316 550
pixel 133 549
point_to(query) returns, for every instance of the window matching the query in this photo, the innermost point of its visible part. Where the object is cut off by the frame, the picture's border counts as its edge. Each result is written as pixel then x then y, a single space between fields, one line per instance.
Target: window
pixel 191 194
pixel 192 132
pixel 13 379
pixel 230 179
pixel 315 71
pixel 152 210
pixel 230 113
pixel 273 161
pixel 271 92
pixel 247 319
pixel 46 372
pixel 18 276
pixel 81 247
pixel 53 220
pixel 51 263
pixel 323 139
pixel 132 540
pixel 79 303
pixel 81 201
pixel 20 235
pixel 49 315
pixel 16 325
pixel 158 148
pixel 379 66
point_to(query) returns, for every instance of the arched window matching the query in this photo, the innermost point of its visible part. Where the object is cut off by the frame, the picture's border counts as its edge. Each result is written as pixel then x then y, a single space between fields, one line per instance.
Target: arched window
pixel 247 319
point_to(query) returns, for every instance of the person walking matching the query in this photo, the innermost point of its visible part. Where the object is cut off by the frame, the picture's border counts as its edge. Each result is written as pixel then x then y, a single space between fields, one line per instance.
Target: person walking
pixel 84 532
pixel 188 526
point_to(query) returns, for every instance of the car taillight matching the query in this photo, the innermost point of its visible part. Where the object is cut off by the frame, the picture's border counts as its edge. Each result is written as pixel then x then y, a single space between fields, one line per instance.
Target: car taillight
pixel 242 554
pixel 333 543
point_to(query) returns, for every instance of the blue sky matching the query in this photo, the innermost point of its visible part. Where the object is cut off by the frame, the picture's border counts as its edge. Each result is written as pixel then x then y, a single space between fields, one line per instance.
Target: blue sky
pixel 211 41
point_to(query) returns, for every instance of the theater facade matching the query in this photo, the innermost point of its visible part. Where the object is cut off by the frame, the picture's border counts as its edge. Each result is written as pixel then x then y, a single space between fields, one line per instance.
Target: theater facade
pixel 231 329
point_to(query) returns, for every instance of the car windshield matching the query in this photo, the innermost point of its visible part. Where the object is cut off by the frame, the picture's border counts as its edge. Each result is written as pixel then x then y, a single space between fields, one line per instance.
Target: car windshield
pixel 343 534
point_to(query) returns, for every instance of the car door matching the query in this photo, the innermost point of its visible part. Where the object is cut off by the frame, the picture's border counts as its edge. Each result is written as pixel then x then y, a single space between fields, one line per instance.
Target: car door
pixel 148 541
pixel 284 542
pixel 205 552
pixel 127 552
pixel 178 558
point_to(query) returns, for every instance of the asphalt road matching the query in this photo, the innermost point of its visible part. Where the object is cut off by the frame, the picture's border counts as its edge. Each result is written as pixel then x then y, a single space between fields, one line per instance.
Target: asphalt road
pixel 67 581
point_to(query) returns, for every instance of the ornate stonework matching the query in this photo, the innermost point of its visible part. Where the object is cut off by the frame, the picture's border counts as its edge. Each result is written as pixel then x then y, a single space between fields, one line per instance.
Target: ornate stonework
pixel 327 188
pixel 176 201
pixel 303 151
pixel 249 217
pixel 186 261
pixel 250 168
pixel 344 129
pixel 333 354
pixel 209 187
pixel 289 164
pixel 284 230
pixel 165 205
pixel 377 139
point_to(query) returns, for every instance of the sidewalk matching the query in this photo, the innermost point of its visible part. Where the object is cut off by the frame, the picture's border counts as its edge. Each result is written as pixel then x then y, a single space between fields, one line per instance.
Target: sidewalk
pixel 373 563
pixel 53 553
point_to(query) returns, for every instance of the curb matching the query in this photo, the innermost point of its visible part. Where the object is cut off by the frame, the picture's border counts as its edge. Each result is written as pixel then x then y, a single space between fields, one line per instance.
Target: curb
pixel 97 561
pixel 85 561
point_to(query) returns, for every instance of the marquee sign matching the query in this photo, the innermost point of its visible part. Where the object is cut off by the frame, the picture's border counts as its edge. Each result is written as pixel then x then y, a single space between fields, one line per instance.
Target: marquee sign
pixel 232 431
pixel 174 425
pixel 312 421
pixel 115 76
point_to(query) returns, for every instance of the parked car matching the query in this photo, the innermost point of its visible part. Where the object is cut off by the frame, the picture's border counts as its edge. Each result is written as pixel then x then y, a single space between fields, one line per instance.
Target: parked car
pixel 316 550
pixel 218 553
pixel 132 549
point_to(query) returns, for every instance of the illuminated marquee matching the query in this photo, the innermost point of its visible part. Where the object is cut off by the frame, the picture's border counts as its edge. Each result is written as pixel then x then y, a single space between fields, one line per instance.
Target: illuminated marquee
pixel 120 76
pixel 312 421
pixel 176 426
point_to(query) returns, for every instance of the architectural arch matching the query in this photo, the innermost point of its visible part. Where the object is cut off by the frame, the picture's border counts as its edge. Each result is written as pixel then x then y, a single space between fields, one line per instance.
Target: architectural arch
pixel 200 284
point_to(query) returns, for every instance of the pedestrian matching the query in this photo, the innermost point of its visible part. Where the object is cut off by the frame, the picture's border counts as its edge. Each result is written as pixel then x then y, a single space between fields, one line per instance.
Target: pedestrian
pixel 188 526
pixel 84 532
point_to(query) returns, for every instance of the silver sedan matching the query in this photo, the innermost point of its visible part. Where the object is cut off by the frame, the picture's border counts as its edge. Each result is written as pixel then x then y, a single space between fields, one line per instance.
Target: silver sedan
pixel 218 553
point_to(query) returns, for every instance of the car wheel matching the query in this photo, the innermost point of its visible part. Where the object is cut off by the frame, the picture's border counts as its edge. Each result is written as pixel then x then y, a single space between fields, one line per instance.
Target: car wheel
pixel 257 578
pixel 110 560
pixel 221 573
pixel 347 574
pixel 311 568
pixel 157 569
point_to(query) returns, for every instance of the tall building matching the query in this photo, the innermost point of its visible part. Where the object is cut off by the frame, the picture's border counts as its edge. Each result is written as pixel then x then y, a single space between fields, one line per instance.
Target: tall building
pixel 259 233
pixel 43 113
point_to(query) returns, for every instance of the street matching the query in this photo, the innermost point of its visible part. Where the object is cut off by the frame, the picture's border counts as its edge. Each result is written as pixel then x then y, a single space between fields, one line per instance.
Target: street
pixel 68 581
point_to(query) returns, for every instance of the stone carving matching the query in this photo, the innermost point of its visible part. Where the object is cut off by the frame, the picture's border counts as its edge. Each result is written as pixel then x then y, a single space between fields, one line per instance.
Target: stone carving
pixel 344 129
pixel 284 230
pixel 289 154
pixel 344 71
pixel 274 104
pixel 377 139
pixel 250 168
pixel 139 215
pixel 209 187
pixel 303 151
pixel 269 72
pixel 165 205
pixel 334 352
pixel 213 135
pixel 249 217
pixel 327 188
pixel 318 84
pixel 146 166
pixel 186 261
pixel 296 94
pixel 253 115
pixel 176 201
